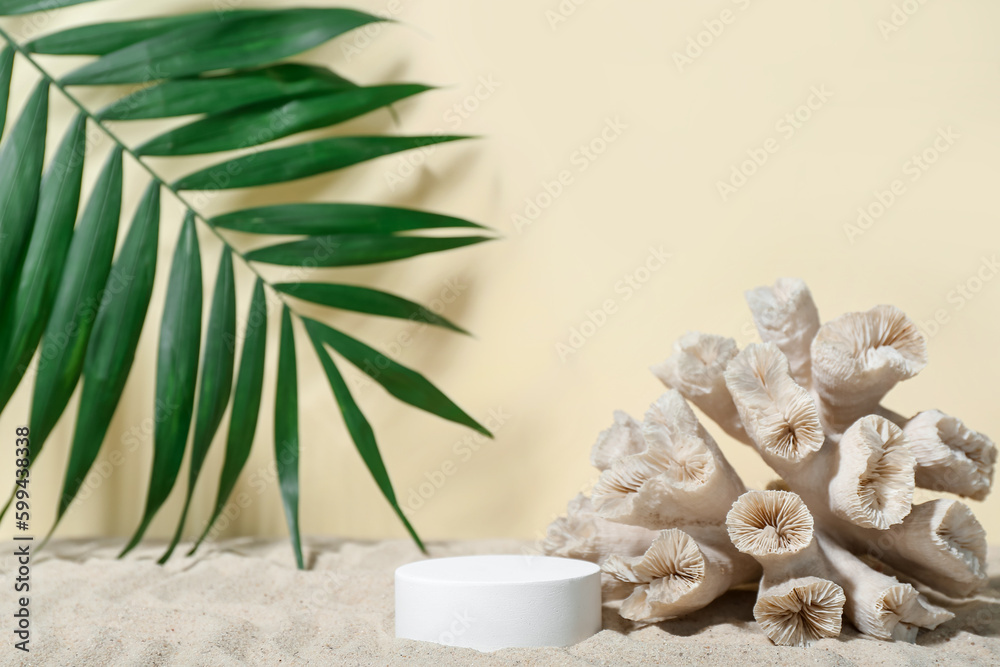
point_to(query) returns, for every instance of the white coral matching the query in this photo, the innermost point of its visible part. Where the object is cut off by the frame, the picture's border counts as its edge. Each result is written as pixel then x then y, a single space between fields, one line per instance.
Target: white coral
pixel 673 527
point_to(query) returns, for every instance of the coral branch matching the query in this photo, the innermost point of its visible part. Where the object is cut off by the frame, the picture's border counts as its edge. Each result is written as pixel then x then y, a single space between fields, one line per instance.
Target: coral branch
pixel 680 573
pixel 858 357
pixel 877 604
pixel 873 485
pixel 797 604
pixel 696 370
pixel 681 478
pixel 584 534
pixel 940 544
pixel 778 415
pixel 950 456
pixel 786 316
pixel 621 439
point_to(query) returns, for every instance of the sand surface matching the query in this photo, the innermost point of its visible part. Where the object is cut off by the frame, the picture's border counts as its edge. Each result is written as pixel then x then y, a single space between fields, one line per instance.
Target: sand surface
pixel 242 602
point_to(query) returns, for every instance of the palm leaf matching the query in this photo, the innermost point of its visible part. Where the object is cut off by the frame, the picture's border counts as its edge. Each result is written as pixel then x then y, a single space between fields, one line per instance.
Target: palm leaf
pixel 176 372
pixel 99 39
pixel 63 291
pixel 115 338
pixel 268 121
pixel 356 249
pixel 223 92
pixel 6 69
pixel 23 319
pixel 405 384
pixel 216 379
pixel 246 404
pixel 365 300
pixel 326 219
pixel 359 428
pixel 286 432
pixel 64 344
pixel 16 7
pixel 245 41
pixel 280 165
pixel 20 177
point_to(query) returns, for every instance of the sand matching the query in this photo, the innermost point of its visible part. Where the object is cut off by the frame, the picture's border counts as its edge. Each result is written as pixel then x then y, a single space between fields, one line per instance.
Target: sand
pixel 242 602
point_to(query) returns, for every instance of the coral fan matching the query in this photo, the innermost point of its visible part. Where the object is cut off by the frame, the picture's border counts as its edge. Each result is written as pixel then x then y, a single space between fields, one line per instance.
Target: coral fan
pixel 673 526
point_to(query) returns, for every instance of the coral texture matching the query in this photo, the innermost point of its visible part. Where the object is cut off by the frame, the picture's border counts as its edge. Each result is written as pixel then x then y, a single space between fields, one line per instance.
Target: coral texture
pixel 838 535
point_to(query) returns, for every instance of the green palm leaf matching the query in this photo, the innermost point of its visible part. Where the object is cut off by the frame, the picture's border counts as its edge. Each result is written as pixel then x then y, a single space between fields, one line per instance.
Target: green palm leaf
pixel 280 165
pixel 246 404
pixel 356 249
pixel 20 177
pixel 88 265
pixel 216 379
pixel 6 69
pixel 325 219
pixel 268 121
pixel 359 428
pixel 246 41
pixel 286 432
pixel 176 372
pixel 23 319
pixel 224 92
pixel 99 39
pixel 115 338
pixel 365 300
pixel 404 383
pixel 15 7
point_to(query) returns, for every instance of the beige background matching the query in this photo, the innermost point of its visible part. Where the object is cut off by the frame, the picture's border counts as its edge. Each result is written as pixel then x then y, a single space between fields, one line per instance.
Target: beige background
pixel 677 130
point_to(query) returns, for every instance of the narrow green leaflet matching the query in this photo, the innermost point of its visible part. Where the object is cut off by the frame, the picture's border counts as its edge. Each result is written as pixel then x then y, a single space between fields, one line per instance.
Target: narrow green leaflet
pixel 216 380
pixel 23 319
pixel 359 428
pixel 113 343
pixel 315 219
pixel 176 372
pixel 290 163
pixel 21 160
pixel 15 7
pixel 6 68
pixel 356 249
pixel 268 121
pixel 404 383
pixel 246 404
pixel 99 39
pixel 223 92
pixel 365 300
pixel 286 433
pixel 246 41
pixel 84 281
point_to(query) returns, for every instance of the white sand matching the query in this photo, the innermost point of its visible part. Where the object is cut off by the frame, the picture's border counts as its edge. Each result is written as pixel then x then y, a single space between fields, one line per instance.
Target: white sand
pixel 242 602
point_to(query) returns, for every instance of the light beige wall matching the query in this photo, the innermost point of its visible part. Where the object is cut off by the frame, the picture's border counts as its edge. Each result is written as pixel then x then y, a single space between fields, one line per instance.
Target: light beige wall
pixel 559 85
